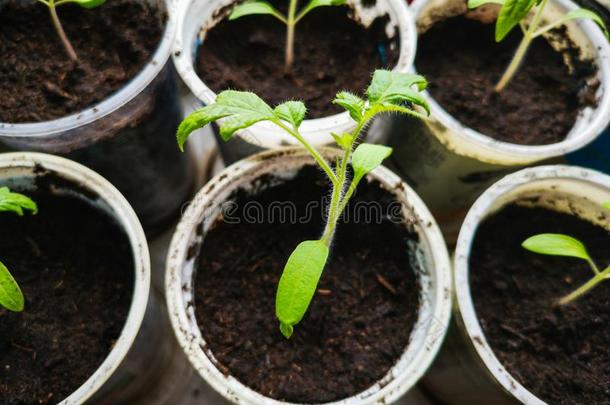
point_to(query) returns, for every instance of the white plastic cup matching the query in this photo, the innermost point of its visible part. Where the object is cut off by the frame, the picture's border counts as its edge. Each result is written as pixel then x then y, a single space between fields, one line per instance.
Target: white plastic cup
pixel 467 370
pixel 434 278
pixel 117 373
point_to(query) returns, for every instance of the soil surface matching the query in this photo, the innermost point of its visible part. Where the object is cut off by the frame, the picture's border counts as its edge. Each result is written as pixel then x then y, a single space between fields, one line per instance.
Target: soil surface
pixel 360 320
pixel 39 82
pixel 74 265
pixel 463 63
pixel 332 53
pixel 559 354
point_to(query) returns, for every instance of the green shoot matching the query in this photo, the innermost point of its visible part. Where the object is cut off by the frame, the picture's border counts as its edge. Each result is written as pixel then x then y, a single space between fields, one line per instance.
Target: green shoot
pixel 563 245
pixel 513 13
pixel 52 5
pixel 388 92
pixel 252 7
pixel 11 296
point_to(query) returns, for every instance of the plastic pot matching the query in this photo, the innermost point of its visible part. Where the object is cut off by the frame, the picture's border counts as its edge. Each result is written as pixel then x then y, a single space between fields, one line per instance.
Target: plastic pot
pixel 467 370
pixel 195 17
pixel 596 155
pixel 434 277
pixel 449 164
pixel 122 372
pixel 129 137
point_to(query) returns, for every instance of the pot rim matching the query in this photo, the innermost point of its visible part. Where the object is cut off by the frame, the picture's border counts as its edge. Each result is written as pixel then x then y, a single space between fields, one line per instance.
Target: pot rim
pixel 316 130
pixel 402 376
pixel 114 101
pixel 124 214
pixel 486 204
pixel 471 142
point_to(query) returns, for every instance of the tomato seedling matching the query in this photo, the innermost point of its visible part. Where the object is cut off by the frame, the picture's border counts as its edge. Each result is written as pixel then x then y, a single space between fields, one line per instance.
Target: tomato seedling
pixel 514 13
pixel 388 92
pixel 11 296
pixel 251 7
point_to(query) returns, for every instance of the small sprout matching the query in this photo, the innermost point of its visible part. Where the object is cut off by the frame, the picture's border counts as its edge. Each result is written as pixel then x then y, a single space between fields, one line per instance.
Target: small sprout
pixel 52 5
pixel 554 244
pixel 252 7
pixel 11 296
pixel 513 13
pixel 235 110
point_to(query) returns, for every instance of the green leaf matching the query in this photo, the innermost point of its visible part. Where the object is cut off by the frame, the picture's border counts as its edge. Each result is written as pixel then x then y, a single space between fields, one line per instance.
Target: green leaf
pixel 479 3
pixel 16 202
pixel 606 205
pixel 252 7
pixel 318 3
pixel 11 296
pixel 240 109
pixel 292 112
pixel 298 283
pixel 344 140
pixel 586 14
pixel 555 244
pixel 394 88
pixel 511 14
pixel 89 3
pixel 367 157
pixel 352 103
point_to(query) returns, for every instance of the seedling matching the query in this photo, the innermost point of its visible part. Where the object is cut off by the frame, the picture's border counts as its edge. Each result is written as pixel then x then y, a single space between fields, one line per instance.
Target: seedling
pixel 388 92
pixel 563 245
pixel 52 5
pixel 11 296
pixel 251 7
pixel 513 13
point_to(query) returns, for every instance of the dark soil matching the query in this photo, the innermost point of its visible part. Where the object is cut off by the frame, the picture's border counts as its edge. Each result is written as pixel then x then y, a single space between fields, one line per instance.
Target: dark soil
pixel 359 322
pixel 75 267
pixel 332 53
pixel 463 63
pixel 39 82
pixel 559 354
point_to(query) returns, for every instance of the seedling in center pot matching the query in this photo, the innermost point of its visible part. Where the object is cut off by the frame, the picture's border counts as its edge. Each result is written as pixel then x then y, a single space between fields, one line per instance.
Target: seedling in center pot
pixel 11 296
pixel 555 244
pixel 251 7
pixel 52 5
pixel 514 13
pixel 388 92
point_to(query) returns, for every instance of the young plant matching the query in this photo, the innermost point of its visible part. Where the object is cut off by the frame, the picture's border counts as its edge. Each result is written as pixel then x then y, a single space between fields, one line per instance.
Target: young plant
pixel 11 296
pixel 251 7
pixel 513 13
pixel 388 92
pixel 563 245
pixel 52 5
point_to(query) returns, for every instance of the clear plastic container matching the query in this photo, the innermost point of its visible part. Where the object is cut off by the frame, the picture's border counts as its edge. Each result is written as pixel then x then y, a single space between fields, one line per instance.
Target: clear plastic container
pixel 449 164
pixel 129 137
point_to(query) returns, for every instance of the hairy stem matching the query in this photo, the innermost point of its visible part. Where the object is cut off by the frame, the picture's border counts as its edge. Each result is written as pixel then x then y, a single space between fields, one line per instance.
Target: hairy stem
pixel 528 36
pixel 586 287
pixel 60 31
pixel 338 199
pixel 290 25
pixel 312 151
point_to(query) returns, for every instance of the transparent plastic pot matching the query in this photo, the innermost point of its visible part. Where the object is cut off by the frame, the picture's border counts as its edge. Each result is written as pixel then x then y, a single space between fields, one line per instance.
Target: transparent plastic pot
pixel 123 373
pixel 434 277
pixel 128 137
pixel 467 370
pixel 196 17
pixel 449 164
